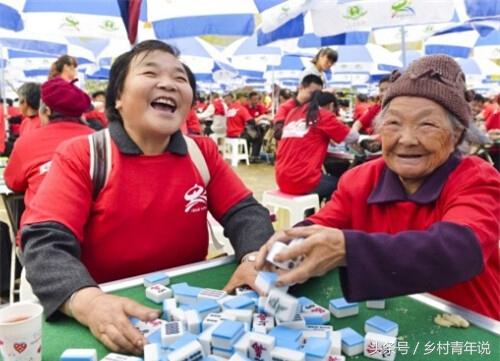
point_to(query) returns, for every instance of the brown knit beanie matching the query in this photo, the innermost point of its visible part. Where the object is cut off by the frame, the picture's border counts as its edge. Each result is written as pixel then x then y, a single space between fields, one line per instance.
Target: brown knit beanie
pixel 435 77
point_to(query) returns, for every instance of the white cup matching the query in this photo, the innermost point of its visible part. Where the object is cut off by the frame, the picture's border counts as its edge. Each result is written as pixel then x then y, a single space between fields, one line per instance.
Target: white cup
pixel 21 332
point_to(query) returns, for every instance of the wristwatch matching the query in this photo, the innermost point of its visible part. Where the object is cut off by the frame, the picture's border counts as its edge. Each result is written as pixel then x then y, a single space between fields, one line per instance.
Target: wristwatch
pixel 249 257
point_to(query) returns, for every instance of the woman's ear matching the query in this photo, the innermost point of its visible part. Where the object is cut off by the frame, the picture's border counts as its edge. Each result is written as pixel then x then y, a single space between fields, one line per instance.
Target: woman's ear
pixel 118 104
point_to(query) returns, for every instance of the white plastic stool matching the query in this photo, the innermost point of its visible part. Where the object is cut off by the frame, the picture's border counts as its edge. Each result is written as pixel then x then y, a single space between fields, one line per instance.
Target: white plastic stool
pixel 219 139
pixel 236 149
pixel 216 230
pixel 295 205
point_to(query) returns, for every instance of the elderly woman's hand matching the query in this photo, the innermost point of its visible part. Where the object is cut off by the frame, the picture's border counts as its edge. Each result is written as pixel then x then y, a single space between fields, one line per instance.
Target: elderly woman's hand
pixel 107 317
pixel 323 248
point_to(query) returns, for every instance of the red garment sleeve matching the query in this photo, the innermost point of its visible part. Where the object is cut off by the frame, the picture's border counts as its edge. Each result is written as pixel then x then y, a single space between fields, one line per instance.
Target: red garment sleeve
pixel 193 123
pixel 493 122
pixel 334 128
pixel 244 114
pixel 15 174
pixel 283 110
pixel 367 118
pixel 473 202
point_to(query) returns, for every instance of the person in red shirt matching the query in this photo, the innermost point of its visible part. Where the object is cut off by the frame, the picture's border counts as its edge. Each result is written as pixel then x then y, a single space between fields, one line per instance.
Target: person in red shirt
pixel 364 124
pixel 2 127
pixel 192 123
pixel 361 106
pixel 240 124
pixel 259 113
pixel 492 126
pixel 29 102
pixel 302 149
pixel 422 218
pixel 97 117
pixel 29 162
pixel 151 212
pixel 309 84
pixel 215 112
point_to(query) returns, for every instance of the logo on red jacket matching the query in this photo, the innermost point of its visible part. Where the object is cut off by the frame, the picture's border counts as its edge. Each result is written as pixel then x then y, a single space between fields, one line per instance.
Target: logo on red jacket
pixel 196 198
pixel 296 129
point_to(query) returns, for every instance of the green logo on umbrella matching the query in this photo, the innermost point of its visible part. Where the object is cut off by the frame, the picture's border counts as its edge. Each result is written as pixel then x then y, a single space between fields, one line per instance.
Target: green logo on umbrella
pixel 355 12
pixel 70 22
pixel 108 25
pixel 402 6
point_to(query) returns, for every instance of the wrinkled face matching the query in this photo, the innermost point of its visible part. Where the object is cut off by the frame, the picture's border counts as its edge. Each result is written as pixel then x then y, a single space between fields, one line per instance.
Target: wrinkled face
pixel 324 63
pixel 156 96
pixel 417 137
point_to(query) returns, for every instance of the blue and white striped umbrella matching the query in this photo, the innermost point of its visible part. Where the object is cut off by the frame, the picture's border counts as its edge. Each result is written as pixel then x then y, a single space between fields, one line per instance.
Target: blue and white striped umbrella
pixel 476 70
pixel 185 18
pixel 369 59
pixel 23 40
pixel 285 19
pixel 90 18
pixel 459 44
pixel 203 58
pixel 250 59
pixel 10 17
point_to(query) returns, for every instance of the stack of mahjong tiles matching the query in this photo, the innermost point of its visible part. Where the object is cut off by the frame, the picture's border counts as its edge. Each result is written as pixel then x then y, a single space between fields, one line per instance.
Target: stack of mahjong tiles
pixel 207 324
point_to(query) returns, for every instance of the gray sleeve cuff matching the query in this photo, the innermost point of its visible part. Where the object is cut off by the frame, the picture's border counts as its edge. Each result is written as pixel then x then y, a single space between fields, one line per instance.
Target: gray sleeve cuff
pixel 247 225
pixel 51 255
pixel 381 265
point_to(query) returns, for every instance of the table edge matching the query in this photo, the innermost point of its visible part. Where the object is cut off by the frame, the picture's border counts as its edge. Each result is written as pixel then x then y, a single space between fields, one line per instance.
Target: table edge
pixel 475 318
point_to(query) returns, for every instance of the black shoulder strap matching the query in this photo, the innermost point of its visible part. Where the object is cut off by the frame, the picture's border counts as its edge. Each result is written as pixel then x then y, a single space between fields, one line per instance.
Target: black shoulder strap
pixel 100 152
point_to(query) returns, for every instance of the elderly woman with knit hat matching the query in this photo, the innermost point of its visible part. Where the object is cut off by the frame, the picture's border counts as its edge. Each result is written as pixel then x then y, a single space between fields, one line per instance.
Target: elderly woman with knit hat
pixel 422 218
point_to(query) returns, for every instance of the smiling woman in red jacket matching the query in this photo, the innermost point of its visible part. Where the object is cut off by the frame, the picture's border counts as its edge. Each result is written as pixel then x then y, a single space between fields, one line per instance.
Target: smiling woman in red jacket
pixel 420 219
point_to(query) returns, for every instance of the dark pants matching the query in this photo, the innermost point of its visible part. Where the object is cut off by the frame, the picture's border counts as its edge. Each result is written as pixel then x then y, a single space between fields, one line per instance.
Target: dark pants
pixel 253 136
pixel 325 188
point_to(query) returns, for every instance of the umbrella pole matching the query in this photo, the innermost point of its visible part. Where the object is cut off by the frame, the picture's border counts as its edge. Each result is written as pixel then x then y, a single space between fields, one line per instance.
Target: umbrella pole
pixel 403 46
pixel 2 90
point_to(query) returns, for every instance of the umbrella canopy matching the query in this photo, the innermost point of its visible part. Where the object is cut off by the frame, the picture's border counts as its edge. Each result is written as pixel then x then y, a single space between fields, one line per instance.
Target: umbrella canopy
pixel 202 57
pixel 459 44
pixel 250 59
pixel 336 17
pixel 10 17
pixel 92 18
pixel 369 59
pixel 476 70
pixel 184 18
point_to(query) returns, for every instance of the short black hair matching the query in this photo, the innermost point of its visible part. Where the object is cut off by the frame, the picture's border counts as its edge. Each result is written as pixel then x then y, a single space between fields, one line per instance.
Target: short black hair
pixel 329 52
pixel 120 68
pixel 252 94
pixel 192 81
pixel 326 98
pixel 97 93
pixel 479 98
pixel 310 79
pixel 362 97
pixel 30 93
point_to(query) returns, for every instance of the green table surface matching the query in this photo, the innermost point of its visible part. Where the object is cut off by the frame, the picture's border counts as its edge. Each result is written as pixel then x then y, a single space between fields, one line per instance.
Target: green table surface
pixel 419 336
